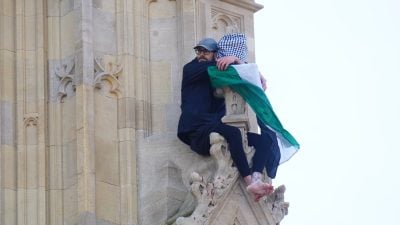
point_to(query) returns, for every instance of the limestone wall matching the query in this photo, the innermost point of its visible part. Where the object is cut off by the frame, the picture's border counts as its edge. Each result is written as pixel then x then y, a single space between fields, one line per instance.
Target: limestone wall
pixel 90 95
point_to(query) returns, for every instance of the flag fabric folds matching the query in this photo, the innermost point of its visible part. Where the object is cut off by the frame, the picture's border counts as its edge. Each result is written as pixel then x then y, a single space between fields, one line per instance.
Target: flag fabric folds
pixel 245 80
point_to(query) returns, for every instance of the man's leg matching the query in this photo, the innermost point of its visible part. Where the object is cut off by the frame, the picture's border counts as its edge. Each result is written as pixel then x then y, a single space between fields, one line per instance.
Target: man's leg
pixel 273 151
pixel 262 144
pixel 234 139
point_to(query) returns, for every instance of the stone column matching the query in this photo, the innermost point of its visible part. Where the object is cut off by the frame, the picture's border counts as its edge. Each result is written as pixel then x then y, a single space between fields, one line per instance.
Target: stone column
pixel 31 112
pixel 62 138
pixel 84 110
pixel 128 47
pixel 8 154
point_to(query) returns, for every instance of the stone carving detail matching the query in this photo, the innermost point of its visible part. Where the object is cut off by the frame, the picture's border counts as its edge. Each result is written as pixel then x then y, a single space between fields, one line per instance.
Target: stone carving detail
pixel 209 192
pixel 236 115
pixel 276 203
pixel 236 222
pixel 225 22
pixel 235 103
pixel 65 73
pixel 107 69
pixel 31 119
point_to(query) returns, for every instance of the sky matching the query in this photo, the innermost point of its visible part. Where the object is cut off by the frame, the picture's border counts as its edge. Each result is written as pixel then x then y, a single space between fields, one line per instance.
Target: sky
pixel 333 76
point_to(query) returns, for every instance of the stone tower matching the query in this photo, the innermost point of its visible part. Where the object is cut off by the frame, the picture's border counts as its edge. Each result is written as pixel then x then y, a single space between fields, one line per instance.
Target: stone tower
pixel 89 93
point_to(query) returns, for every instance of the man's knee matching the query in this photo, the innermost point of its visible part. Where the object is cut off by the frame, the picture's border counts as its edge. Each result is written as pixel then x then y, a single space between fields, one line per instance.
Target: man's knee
pixel 257 140
pixel 231 133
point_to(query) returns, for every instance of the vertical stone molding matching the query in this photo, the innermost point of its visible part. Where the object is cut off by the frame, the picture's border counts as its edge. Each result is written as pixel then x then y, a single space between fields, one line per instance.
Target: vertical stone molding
pixel 162 16
pixel 8 162
pixel 106 137
pixel 129 45
pixel 84 109
pixel 62 24
pixel 31 111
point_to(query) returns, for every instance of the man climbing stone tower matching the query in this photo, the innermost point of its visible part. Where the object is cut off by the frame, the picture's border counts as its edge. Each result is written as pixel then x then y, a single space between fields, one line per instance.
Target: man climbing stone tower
pixel 89 94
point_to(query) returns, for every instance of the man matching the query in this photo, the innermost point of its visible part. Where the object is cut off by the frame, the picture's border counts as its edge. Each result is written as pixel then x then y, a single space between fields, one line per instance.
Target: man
pixel 202 113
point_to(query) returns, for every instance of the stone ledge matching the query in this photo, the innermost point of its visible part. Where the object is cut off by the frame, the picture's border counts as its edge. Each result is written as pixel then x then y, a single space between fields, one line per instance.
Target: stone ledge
pixel 249 5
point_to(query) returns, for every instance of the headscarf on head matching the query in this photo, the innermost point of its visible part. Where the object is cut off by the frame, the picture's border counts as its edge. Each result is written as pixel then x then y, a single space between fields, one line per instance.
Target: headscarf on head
pixel 234 44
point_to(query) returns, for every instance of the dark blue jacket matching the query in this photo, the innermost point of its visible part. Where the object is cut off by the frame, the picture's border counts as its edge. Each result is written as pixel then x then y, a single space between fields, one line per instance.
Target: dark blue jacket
pixel 201 111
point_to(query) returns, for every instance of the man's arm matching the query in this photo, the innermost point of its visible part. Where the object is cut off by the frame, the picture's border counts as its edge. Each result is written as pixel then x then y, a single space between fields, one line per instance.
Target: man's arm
pixel 224 62
pixel 194 71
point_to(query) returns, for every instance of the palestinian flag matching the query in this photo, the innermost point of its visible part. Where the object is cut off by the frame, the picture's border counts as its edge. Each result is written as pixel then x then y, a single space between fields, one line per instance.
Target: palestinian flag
pixel 244 79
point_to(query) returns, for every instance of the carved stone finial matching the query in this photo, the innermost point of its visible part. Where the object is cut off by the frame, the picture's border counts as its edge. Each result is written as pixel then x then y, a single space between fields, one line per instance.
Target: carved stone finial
pixel 276 203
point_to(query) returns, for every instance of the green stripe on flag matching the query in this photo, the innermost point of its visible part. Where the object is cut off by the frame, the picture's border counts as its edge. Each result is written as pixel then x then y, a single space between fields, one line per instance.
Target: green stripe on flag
pixel 253 95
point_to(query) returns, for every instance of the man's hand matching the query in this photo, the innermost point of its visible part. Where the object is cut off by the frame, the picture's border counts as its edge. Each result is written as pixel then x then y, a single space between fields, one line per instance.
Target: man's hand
pixel 224 62
pixel 263 82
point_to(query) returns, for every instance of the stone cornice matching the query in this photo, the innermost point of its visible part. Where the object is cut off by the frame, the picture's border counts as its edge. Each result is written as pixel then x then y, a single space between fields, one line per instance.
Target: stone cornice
pixel 246 4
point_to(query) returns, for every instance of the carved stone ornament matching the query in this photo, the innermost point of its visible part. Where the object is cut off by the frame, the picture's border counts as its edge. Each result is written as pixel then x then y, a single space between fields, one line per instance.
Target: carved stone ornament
pixel 208 193
pixel 107 69
pixel 224 22
pixel 65 74
pixel 276 203
pixel 31 119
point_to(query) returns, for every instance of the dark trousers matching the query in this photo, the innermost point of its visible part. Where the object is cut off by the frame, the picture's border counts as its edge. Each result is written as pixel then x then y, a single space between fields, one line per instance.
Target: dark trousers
pixel 267 154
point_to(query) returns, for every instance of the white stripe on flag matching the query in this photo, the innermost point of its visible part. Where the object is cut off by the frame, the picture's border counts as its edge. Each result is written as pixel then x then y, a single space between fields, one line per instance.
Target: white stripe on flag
pixel 249 72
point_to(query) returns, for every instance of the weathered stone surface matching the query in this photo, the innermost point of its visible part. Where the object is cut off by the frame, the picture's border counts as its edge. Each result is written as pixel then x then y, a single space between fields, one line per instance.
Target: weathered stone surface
pixel 104 31
pixel 67 34
pixel 7 37
pixel 7 125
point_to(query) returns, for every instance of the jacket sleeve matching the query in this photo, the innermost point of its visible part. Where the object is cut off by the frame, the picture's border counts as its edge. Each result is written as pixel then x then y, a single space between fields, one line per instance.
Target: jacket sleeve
pixel 194 72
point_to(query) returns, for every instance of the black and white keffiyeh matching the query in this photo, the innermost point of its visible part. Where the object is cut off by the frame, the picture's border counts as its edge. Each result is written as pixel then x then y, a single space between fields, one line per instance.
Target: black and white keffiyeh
pixel 233 45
